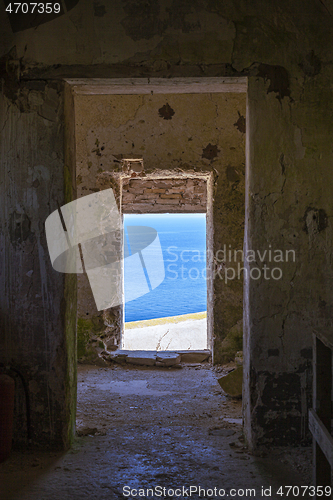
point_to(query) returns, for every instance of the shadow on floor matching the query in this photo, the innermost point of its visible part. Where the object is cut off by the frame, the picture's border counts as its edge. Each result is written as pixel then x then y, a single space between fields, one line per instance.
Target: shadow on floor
pixel 145 429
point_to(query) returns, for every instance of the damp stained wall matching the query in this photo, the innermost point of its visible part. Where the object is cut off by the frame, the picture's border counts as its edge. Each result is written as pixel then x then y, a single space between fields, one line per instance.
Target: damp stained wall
pixel 285 50
pixel 32 294
pixel 176 135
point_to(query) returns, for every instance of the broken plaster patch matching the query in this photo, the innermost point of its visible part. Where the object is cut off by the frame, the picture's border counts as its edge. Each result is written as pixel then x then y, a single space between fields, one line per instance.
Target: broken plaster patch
pixel 278 77
pixel 315 220
pixel 240 123
pixel 210 152
pixel 166 112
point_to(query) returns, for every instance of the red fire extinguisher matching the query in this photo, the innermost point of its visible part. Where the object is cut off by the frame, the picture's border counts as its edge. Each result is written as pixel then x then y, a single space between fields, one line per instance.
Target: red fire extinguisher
pixel 7 392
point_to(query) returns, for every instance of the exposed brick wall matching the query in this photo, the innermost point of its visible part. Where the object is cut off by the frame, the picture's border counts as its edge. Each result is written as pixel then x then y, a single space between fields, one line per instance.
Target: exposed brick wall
pixel 164 195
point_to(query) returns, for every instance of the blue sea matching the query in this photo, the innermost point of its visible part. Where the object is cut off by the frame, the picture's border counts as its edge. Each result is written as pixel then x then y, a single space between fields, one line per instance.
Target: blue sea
pixel 183 290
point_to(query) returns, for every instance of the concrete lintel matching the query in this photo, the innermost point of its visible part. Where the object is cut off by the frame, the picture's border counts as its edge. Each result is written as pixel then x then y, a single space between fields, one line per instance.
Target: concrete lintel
pixel 98 86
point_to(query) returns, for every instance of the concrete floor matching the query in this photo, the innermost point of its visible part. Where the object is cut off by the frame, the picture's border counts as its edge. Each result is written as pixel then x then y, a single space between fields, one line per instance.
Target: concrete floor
pixel 143 428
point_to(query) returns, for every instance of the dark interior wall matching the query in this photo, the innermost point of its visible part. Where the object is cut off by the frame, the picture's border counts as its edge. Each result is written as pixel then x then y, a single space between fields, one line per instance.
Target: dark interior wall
pixel 32 295
pixel 285 48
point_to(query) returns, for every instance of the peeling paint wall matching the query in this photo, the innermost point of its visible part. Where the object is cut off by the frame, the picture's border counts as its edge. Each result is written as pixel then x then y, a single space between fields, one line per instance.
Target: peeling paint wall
pixel 285 50
pixel 287 206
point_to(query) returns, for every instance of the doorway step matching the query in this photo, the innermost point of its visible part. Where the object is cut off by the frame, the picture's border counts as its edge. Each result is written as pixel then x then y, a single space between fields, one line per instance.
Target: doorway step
pixel 159 358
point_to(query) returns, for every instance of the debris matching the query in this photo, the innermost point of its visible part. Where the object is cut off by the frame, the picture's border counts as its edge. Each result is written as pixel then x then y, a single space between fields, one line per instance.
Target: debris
pixel 118 357
pixel 141 358
pixel 168 359
pixel 194 356
pixel 232 383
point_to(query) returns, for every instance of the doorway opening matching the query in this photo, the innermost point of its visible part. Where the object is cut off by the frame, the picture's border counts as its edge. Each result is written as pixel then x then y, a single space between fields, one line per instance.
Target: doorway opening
pixel 199 148
pixel 192 161
pixel 166 290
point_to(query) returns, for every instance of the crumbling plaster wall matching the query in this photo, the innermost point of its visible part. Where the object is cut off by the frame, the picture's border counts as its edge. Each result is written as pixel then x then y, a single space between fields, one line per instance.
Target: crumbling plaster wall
pixel 177 135
pixel 32 297
pixel 285 49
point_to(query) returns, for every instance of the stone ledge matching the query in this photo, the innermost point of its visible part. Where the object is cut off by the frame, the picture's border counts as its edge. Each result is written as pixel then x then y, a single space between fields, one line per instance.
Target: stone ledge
pixel 157 358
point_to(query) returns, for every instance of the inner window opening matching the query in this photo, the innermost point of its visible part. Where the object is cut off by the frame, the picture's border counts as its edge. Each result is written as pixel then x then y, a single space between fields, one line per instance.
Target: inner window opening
pixel 165 312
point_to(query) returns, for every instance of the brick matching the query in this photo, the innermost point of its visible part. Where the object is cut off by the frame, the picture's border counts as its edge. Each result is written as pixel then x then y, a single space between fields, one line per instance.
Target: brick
pixel 166 185
pixel 178 182
pixel 140 208
pixel 170 196
pixel 189 202
pixel 128 197
pixel 193 208
pixel 167 202
pixel 135 191
pixel 176 190
pixel 162 209
pixel 147 196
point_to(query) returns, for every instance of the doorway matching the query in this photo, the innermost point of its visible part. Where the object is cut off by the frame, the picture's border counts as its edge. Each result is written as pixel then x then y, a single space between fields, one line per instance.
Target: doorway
pixel 183 130
pixel 189 138
pixel 173 315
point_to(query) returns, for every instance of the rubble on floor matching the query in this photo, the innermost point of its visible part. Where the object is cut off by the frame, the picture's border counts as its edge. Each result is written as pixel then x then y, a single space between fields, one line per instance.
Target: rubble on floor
pixel 168 359
pixel 140 427
pixel 232 383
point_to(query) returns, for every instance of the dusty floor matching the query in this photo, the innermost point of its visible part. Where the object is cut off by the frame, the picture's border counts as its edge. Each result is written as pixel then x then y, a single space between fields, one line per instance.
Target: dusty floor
pixel 146 427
